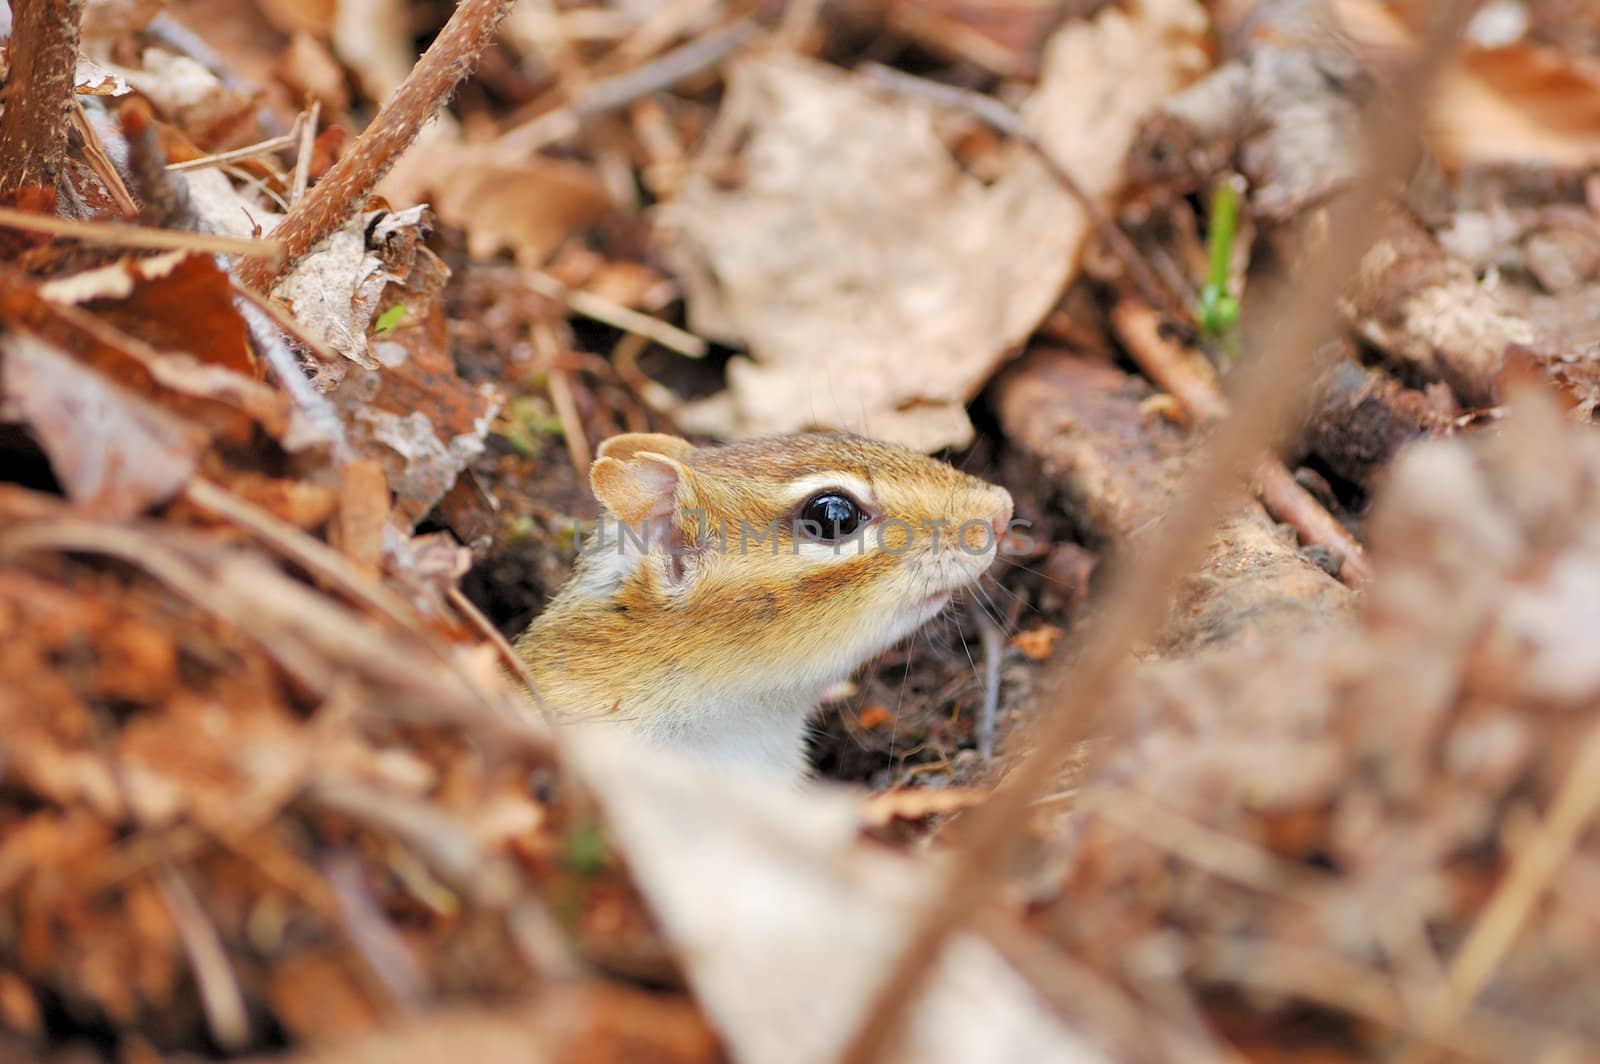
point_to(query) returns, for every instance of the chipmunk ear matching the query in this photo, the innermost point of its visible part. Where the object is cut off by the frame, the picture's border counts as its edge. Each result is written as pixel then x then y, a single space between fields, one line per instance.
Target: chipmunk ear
pixel 629 444
pixel 639 486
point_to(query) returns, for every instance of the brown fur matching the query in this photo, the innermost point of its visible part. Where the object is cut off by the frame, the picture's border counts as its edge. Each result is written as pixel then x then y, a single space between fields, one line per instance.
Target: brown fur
pixel 633 644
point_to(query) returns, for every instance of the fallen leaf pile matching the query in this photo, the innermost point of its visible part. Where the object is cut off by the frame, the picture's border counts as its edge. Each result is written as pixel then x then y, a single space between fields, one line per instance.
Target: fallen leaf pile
pixel 1383 827
pixel 268 790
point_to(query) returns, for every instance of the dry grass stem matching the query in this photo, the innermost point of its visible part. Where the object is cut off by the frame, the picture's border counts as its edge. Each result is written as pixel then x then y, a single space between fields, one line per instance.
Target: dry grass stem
pixel 249 151
pixel 120 234
pixel 1531 872
pixel 1134 604
pixel 508 656
pixel 220 996
pixel 307 148
pixel 601 97
pixel 617 316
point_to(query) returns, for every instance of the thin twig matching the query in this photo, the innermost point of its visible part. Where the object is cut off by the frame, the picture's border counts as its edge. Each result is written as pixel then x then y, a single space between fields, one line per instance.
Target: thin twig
pixel 227 1016
pixel 336 198
pixel 559 385
pixel 799 19
pixel 120 234
pixel 652 393
pixel 1570 812
pixel 1185 375
pixel 249 151
pixel 508 655
pixel 1135 603
pixel 302 157
pixel 1287 500
pixel 601 97
pixel 1010 124
pixel 670 20
pixel 318 558
pixel 392 962
pixel 1225 856
pixel 618 316
pixel 164 201
pixel 1077 990
pixel 306 551
pixel 447 845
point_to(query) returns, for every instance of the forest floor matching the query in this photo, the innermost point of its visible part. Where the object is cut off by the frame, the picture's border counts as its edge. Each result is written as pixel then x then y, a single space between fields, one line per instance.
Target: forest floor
pixel 1275 738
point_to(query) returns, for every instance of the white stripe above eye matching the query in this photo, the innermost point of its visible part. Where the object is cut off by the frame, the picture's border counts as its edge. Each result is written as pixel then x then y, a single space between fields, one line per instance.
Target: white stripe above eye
pixel 803 488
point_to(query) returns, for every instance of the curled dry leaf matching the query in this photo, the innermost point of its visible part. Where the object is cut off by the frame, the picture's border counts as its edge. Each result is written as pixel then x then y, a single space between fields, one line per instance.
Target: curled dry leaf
pixel 1285 112
pixel 185 90
pixel 334 292
pixel 115 453
pixel 876 284
pixel 408 409
pixel 92 79
pixel 798 898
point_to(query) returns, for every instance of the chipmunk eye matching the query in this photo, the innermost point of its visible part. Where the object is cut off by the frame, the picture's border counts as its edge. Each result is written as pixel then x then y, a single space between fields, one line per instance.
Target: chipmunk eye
pixel 830 516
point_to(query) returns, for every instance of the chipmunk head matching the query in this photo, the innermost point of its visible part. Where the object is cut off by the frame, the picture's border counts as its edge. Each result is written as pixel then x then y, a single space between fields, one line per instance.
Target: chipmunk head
pixel 787 560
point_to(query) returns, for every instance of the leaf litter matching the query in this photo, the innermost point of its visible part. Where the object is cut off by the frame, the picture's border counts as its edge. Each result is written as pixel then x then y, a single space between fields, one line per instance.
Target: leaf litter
pixel 266 793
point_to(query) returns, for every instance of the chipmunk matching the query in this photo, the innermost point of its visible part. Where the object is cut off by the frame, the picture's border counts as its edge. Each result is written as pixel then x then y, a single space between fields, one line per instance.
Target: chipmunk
pixel 727 587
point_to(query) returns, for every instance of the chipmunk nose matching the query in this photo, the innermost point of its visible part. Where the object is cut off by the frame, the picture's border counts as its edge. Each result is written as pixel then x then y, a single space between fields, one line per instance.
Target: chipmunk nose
pixel 1000 515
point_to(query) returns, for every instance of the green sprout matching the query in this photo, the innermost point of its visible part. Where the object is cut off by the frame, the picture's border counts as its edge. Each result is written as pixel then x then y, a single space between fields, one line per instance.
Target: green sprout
pixel 1218 311
pixel 525 423
pixel 390 320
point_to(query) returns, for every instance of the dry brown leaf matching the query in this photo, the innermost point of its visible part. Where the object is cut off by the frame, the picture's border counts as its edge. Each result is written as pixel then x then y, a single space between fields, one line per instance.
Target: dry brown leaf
pixel 311 71
pixel 92 79
pixel 1522 102
pixel 115 453
pixel 527 205
pixel 176 301
pixel 1002 35
pixel 334 292
pixel 371 38
pixel 794 895
pixel 1525 102
pixel 402 402
pixel 1037 644
pixel 211 112
pixel 301 16
pixel 875 283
